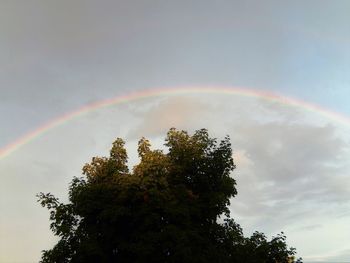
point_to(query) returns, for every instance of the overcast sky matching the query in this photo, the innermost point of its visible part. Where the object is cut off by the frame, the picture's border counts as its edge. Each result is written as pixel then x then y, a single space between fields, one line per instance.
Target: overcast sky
pixel 292 164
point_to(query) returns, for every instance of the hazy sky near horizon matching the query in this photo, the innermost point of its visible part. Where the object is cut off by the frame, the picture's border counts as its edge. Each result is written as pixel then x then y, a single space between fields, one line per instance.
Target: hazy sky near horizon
pixel 293 170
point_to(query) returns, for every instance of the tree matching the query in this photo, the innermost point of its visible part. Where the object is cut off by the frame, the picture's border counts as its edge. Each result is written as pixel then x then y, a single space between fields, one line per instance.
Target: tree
pixel 165 210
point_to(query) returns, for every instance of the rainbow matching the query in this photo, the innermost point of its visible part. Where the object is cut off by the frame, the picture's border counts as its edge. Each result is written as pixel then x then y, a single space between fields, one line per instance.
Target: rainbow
pixel 10 148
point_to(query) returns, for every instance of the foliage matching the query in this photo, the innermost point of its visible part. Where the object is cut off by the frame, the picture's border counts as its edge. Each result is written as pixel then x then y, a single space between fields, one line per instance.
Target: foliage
pixel 165 210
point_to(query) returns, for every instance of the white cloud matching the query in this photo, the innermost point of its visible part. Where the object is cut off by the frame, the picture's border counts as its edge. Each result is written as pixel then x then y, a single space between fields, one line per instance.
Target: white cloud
pixel 179 111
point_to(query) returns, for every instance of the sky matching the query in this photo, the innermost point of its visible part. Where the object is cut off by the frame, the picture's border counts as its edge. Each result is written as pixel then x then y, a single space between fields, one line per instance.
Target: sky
pixel 292 161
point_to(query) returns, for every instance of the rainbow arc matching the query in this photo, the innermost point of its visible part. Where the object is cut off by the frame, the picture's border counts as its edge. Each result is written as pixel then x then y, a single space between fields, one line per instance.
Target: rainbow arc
pixel 139 95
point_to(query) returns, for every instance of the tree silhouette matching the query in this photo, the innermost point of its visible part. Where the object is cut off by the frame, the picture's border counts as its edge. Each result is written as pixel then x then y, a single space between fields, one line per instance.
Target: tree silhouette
pixel 165 210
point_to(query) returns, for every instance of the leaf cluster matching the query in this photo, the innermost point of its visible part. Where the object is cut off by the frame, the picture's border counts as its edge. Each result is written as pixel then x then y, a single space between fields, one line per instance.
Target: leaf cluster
pixel 165 210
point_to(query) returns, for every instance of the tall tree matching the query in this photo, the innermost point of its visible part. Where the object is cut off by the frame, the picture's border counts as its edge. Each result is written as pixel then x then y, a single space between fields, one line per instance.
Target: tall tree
pixel 165 210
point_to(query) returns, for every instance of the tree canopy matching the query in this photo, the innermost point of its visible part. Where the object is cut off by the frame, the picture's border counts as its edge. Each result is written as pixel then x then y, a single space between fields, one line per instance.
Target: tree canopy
pixel 165 210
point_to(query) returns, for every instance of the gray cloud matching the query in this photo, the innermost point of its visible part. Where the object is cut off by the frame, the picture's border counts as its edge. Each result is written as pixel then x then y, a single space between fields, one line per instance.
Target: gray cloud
pixel 294 170
pixel 309 227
